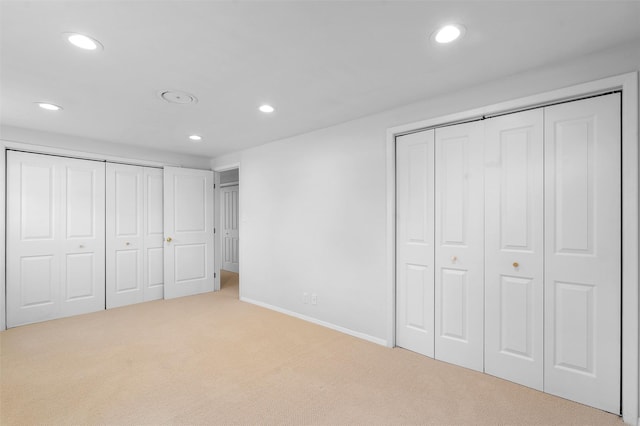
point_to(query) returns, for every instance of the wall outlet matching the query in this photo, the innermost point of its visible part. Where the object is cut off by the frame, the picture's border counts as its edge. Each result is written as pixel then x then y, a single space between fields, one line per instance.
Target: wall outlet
pixel 314 299
pixel 305 298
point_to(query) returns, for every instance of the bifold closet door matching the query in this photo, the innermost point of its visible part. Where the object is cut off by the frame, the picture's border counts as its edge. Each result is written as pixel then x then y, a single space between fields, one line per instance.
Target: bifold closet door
pixel 153 258
pixel 55 237
pixel 414 242
pixel 459 245
pixel 514 213
pixel 134 234
pixel 124 235
pixel 583 251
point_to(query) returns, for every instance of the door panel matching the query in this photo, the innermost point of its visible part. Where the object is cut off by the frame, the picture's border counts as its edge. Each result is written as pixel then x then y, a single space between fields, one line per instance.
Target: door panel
pixel 126 274
pixel 459 249
pixel 230 234
pixel 37 208
pixel 514 247
pixel 188 218
pixel 414 242
pixel 153 235
pixel 83 230
pixel 79 276
pixel 80 215
pixel 39 281
pixel 33 254
pixel 583 251
pixel 55 237
pixel 125 241
pixel 189 207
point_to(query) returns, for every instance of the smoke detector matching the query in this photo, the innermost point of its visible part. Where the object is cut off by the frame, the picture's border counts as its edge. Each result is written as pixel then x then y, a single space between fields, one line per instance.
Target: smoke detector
pixel 177 97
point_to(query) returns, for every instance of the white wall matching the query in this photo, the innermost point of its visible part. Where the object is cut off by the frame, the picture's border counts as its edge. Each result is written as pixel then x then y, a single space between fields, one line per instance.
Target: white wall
pixel 75 143
pixel 313 207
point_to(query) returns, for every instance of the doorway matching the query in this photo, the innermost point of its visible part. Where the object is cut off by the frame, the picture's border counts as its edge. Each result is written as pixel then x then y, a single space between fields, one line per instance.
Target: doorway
pixel 229 229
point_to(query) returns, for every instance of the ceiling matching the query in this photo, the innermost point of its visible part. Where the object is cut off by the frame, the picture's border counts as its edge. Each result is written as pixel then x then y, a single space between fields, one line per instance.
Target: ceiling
pixel 318 63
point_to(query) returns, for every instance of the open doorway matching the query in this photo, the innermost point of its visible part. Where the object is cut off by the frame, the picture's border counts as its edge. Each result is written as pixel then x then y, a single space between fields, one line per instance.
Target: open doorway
pixel 229 230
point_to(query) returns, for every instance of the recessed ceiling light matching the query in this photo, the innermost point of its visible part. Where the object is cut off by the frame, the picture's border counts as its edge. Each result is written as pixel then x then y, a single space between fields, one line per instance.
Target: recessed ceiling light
pixel 82 41
pixel 195 138
pixel 266 108
pixel 449 33
pixel 48 106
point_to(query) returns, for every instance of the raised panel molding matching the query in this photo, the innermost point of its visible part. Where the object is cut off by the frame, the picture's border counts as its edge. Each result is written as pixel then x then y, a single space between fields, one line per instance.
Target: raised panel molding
pixel 417 284
pixel 190 262
pixel 154 266
pixel 516 224
pixel 454 191
pixel 574 191
pixel 189 208
pixel 126 204
pixel 454 300
pixel 36 200
pixel 574 327
pixel 516 316
pixel 80 282
pixel 418 200
pixel 126 273
pixel 80 198
pixel 37 283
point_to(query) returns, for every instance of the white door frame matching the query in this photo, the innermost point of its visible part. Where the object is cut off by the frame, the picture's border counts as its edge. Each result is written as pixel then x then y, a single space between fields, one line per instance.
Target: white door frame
pixel 628 84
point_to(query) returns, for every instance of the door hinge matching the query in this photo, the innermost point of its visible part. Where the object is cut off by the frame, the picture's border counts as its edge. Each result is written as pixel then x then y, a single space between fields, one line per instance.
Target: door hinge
pixel 214 275
pixel 214 230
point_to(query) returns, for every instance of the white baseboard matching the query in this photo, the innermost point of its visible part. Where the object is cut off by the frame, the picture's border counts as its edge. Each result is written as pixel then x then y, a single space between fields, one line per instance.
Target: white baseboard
pixel 353 333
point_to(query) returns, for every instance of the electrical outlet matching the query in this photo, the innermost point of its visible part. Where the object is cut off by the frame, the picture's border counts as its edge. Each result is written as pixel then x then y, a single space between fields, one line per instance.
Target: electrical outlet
pixel 305 298
pixel 314 299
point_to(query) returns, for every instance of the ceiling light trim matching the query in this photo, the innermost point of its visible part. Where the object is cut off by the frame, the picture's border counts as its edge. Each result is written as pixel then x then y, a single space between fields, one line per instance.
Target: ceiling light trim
pixel 49 106
pixel 448 33
pixel 83 41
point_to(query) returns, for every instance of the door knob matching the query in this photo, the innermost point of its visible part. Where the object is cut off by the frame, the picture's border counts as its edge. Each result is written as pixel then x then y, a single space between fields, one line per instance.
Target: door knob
pixel 127 243
pixel 81 246
pixel 453 259
pixel 516 264
pixel 169 239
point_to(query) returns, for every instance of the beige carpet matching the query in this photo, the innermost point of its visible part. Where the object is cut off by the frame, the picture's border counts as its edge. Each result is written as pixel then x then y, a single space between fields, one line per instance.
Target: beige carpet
pixel 211 359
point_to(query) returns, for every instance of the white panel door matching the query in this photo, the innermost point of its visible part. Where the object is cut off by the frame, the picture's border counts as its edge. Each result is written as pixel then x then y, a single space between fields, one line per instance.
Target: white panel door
pixel 188 227
pixel 153 228
pixel 414 242
pixel 582 251
pixel 55 237
pixel 229 222
pixel 125 243
pixel 459 245
pixel 514 247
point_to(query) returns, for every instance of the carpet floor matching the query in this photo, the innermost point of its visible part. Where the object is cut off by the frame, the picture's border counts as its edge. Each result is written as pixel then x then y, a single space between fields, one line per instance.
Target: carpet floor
pixel 213 360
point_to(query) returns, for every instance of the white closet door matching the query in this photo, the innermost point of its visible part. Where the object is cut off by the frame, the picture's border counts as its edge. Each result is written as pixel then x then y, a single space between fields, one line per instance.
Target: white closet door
pixel 230 234
pixel 582 251
pixel 459 250
pixel 514 257
pixel 153 235
pixel 55 237
pixel 414 242
pixel 188 227
pixel 125 241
